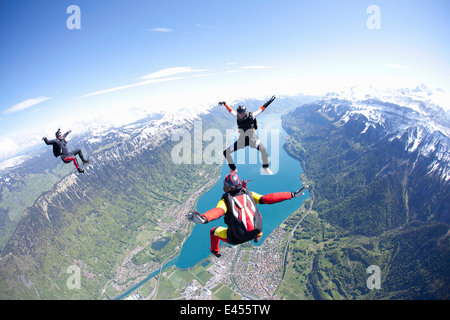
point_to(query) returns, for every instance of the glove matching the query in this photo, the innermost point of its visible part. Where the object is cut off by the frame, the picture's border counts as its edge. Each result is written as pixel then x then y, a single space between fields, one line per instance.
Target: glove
pixel 196 217
pixel 265 105
pixel 222 103
pixel 298 193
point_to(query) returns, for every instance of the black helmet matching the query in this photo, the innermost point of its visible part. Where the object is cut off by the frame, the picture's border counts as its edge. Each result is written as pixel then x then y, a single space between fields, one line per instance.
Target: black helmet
pixel 241 109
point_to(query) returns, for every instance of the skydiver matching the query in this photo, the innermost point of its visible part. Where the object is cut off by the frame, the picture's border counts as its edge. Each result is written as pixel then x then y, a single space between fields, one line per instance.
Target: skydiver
pixel 242 217
pixel 247 126
pixel 60 149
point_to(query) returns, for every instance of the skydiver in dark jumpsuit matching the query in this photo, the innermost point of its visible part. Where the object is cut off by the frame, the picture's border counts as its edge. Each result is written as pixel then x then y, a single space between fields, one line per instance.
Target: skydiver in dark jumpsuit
pixel 247 126
pixel 60 149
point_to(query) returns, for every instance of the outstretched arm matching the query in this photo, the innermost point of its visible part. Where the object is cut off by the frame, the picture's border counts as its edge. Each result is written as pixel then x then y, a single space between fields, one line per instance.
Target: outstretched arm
pixel 209 215
pixel 217 212
pixel 272 197
pixel 277 196
pixel 230 109
pixel 263 107
pixel 66 134
pixel 48 142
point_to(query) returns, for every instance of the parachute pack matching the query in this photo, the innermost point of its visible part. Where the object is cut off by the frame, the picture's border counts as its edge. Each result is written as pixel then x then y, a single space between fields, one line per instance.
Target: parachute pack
pixel 244 219
pixel 56 150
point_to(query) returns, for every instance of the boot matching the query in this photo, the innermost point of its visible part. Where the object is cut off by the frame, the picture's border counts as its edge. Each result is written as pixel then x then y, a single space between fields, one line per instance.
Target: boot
pixel 216 253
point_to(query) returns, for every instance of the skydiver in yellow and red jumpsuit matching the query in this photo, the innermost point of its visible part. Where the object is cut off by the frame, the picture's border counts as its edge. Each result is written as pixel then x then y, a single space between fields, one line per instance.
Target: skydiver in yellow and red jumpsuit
pixel 242 217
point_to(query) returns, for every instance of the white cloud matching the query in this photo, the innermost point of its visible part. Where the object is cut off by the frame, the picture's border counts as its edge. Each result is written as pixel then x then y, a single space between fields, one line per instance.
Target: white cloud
pixel 127 86
pixel 163 75
pixel 170 72
pixel 25 104
pixel 397 66
pixel 160 29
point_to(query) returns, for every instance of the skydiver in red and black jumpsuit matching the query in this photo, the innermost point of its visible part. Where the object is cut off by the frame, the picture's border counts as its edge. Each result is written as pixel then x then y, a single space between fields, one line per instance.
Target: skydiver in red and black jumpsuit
pixel 242 217
pixel 60 149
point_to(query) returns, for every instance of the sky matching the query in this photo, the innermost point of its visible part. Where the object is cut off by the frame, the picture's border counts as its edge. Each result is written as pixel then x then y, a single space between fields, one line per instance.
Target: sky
pixel 112 62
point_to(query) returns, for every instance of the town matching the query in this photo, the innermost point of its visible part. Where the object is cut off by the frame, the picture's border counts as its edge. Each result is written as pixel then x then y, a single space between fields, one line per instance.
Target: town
pixel 246 272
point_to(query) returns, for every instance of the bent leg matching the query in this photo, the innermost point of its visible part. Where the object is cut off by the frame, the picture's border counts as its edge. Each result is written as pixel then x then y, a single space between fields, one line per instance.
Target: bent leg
pixel 240 143
pixel 256 143
pixel 70 159
pixel 264 156
pixel 79 153
pixel 217 234
pixel 227 154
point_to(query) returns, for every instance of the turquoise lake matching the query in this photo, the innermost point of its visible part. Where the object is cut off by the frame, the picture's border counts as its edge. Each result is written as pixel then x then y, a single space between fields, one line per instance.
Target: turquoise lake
pixel 286 177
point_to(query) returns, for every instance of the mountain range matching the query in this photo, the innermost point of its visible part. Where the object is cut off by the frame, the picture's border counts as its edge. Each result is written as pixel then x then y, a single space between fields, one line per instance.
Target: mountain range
pixel 378 166
pixel 416 116
pixel 377 162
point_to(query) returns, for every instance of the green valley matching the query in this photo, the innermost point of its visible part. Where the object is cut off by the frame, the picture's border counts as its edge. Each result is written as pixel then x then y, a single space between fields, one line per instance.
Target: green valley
pixel 368 210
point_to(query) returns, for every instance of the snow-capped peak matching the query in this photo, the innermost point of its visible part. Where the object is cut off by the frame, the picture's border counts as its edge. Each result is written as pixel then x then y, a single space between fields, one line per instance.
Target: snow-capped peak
pixel 414 115
pixel 408 97
pixel 421 92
